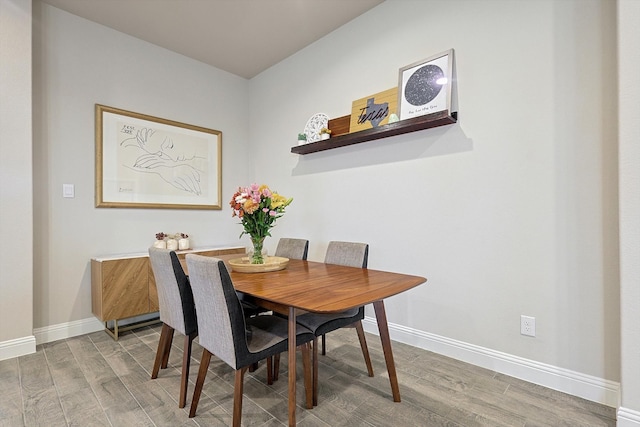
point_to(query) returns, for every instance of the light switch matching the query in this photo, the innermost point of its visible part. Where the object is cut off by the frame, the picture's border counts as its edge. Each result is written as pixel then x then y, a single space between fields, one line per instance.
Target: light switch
pixel 68 190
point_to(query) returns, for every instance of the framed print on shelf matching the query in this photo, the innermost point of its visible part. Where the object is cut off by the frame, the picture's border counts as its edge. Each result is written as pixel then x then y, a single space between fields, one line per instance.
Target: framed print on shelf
pixel 427 86
pixel 148 162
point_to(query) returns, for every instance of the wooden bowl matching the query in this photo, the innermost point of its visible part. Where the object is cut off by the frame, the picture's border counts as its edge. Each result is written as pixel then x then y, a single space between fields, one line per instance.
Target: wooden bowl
pixel 271 263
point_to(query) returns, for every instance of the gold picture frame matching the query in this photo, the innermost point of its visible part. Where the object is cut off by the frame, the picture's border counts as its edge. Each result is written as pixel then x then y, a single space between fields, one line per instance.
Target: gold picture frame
pixel 148 162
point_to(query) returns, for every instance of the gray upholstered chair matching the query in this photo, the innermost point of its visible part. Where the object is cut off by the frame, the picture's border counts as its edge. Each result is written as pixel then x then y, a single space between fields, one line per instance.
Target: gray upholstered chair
pixel 351 255
pixel 292 248
pixel 227 334
pixel 177 312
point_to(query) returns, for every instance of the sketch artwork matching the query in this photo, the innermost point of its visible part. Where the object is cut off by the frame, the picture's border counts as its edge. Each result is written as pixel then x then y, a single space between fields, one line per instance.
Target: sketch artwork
pixel 174 161
pixel 144 161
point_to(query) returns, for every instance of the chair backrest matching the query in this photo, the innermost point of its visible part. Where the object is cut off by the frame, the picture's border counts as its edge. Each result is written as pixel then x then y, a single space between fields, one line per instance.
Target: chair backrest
pixel 349 254
pixel 174 291
pixel 221 325
pixel 292 248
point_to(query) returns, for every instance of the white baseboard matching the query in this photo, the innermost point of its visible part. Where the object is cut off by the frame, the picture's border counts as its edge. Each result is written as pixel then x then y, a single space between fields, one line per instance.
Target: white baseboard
pixel 27 345
pixel 575 383
pixel 628 417
pixel 67 330
pixel 585 386
pixel 17 347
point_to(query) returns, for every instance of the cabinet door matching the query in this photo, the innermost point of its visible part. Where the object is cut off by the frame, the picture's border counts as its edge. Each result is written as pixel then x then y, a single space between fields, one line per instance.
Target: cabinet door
pixel 125 289
pixel 153 292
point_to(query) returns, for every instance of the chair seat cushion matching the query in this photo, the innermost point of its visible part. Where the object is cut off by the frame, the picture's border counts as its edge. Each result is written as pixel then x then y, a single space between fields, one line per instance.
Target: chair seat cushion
pixel 321 323
pixel 267 331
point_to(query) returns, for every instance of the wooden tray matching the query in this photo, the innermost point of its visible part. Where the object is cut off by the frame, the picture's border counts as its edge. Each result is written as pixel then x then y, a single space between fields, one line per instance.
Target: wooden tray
pixel 271 263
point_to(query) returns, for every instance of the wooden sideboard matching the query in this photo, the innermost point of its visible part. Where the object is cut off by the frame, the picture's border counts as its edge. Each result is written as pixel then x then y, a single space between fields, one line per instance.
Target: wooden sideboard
pixel 123 286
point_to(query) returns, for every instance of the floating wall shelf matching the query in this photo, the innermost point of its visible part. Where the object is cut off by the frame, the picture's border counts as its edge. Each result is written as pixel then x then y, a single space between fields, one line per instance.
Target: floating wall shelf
pixel 392 129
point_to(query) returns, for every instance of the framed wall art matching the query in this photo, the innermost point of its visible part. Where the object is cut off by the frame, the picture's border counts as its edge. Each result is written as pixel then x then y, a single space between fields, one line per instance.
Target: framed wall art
pixel 148 162
pixel 427 86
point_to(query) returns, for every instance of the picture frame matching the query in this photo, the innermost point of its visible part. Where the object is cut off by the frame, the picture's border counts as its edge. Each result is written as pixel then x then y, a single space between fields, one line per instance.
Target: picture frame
pixel 149 162
pixel 427 86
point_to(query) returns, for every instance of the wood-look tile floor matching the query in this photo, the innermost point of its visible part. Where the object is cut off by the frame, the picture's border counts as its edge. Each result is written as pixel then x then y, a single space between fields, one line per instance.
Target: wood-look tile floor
pixel 92 380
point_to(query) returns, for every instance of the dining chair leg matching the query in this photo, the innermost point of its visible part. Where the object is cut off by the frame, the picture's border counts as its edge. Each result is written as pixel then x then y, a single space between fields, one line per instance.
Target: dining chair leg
pixel 162 349
pixel 276 366
pixel 315 371
pixel 186 362
pixel 202 374
pixel 324 349
pixel 237 396
pixel 363 346
pixel 270 370
pixel 168 344
pixel 308 381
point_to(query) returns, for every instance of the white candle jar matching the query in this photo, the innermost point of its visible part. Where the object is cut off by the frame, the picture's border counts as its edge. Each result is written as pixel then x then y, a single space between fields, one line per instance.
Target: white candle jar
pixel 183 244
pixel 172 244
pixel 160 244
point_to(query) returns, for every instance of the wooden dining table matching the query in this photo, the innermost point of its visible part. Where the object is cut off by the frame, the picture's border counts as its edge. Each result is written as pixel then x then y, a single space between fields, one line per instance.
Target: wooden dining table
pixel 307 286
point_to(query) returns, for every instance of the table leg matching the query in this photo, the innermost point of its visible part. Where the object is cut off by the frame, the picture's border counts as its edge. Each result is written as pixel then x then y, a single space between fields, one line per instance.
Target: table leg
pixel 292 366
pixel 383 328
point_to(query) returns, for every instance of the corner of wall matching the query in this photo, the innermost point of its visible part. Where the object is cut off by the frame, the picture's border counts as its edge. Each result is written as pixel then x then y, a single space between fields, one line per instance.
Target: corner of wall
pixel 627 418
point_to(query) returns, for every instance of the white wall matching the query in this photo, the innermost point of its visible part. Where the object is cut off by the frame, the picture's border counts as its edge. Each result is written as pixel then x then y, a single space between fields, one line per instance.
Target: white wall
pixel 16 208
pixel 511 211
pixel 78 64
pixel 629 89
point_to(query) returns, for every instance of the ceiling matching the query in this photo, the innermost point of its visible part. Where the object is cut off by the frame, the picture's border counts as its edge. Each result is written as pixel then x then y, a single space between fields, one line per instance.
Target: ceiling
pixel 243 37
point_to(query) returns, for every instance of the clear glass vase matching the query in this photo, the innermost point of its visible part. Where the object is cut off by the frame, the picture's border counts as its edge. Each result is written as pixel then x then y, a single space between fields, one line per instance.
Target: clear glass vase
pixel 257 257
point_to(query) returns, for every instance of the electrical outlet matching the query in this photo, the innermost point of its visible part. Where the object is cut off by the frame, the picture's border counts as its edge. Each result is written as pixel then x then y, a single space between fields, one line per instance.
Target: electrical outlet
pixel 528 326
